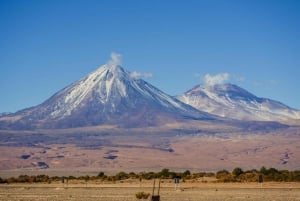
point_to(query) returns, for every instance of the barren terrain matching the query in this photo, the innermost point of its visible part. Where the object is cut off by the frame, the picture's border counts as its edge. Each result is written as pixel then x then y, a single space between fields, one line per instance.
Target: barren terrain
pixel 126 192
pixel 66 153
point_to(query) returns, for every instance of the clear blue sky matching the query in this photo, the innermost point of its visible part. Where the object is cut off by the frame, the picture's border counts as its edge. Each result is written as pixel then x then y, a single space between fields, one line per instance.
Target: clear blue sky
pixel 46 45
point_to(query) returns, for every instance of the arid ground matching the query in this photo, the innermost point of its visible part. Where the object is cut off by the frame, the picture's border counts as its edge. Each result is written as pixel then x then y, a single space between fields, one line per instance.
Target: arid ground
pixel 126 192
pixel 65 154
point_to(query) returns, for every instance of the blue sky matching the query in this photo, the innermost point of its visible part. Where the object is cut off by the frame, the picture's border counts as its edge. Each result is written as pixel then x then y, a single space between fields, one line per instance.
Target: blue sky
pixel 46 45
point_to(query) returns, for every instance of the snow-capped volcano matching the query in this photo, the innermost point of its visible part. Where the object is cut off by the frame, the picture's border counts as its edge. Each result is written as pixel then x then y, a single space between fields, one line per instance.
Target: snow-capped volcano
pixel 109 95
pixel 231 101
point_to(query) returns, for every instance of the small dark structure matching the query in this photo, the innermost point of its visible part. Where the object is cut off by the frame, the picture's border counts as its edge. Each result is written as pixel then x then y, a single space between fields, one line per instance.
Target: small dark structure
pixel 155 197
pixel 260 180
pixel 176 181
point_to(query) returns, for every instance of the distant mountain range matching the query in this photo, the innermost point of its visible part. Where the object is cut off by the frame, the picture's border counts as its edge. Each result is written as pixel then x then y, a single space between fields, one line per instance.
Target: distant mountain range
pixel 231 101
pixel 112 96
pixel 109 95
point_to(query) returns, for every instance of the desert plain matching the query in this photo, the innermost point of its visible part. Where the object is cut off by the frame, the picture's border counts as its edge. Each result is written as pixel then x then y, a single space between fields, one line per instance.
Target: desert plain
pixel 205 149
pixel 75 152
pixel 125 191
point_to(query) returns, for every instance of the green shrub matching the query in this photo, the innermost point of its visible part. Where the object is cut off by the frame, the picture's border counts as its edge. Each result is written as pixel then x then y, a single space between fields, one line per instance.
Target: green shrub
pixel 142 195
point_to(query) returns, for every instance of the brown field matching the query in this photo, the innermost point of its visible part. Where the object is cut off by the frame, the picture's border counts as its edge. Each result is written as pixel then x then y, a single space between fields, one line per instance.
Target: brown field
pixel 126 191
pixel 80 154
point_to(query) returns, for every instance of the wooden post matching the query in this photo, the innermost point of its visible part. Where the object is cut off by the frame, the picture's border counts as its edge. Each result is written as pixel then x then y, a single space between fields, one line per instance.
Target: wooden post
pixel 155 197
pixel 158 187
pixel 153 187
pixel 260 180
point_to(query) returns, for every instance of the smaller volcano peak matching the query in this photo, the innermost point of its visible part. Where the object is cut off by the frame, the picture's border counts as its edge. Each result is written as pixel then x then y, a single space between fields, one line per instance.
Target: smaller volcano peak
pixel 229 100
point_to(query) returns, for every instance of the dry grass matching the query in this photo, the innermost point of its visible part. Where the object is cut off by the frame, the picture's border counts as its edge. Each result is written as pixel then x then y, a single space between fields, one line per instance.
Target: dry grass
pixel 127 191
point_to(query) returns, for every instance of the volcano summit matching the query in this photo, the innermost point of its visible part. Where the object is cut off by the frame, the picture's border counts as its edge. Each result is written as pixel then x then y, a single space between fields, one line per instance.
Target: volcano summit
pixel 109 95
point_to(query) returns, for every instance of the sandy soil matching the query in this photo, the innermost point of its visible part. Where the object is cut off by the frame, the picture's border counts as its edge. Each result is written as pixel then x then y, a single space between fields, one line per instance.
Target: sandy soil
pixel 127 191
pixel 90 154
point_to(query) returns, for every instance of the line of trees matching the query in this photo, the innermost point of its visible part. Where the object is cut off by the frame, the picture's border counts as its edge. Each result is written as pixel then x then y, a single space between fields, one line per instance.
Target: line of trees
pixel 268 174
pixel 236 175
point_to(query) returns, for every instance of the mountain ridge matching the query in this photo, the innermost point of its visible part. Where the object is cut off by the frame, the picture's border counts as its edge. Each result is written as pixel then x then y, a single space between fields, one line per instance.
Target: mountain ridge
pixel 229 100
pixel 108 95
